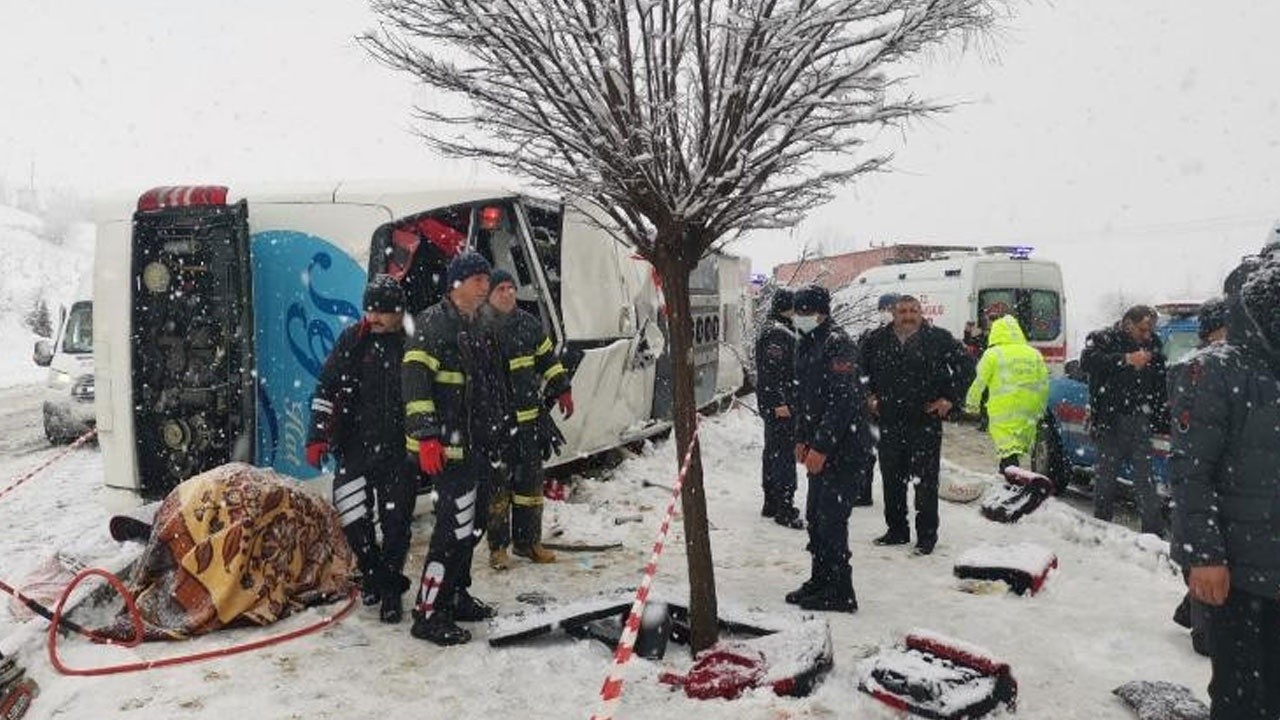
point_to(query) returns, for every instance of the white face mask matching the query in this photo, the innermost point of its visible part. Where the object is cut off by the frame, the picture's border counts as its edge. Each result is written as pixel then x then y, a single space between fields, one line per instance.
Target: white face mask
pixel 805 323
pixel 886 317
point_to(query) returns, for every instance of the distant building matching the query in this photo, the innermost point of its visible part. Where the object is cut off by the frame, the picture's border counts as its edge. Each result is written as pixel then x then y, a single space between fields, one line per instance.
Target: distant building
pixel 836 271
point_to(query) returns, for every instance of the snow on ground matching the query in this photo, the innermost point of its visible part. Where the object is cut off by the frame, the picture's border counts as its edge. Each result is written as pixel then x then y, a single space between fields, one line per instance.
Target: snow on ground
pixel 1101 620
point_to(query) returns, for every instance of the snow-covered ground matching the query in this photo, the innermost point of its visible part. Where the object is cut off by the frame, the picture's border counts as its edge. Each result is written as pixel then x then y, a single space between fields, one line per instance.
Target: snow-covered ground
pixel 1102 619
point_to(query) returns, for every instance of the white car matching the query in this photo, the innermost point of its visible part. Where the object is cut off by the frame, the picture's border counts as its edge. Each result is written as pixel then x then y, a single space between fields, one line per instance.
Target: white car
pixel 68 404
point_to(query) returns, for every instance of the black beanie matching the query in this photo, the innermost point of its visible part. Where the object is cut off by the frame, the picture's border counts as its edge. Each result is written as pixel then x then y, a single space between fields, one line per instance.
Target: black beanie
pixel 783 300
pixel 813 299
pixel 499 276
pixel 383 295
pixel 464 266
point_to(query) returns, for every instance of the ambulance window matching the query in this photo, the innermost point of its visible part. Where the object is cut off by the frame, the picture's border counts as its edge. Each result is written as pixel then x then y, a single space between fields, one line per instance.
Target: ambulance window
pixel 78 338
pixel 1044 321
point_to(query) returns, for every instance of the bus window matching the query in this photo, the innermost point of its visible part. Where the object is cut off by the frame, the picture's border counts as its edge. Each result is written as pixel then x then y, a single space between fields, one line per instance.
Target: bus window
pixel 546 223
pixel 416 251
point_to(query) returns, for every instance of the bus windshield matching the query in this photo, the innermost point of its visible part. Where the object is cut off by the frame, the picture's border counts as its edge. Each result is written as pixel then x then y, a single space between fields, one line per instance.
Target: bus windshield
pixel 1039 312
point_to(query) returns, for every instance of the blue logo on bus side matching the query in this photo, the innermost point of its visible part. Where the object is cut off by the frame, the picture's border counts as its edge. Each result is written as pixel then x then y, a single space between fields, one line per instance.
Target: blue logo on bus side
pixel 305 291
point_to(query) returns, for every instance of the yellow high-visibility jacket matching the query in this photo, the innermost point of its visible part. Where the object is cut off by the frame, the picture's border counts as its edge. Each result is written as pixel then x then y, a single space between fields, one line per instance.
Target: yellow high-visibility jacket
pixel 1017 380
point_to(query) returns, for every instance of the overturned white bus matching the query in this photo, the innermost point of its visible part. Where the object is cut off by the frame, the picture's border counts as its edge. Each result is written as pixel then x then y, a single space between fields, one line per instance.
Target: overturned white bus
pixel 215 311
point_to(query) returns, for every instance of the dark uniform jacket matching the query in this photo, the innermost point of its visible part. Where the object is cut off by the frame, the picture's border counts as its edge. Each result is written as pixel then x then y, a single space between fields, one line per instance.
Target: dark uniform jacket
pixel 1117 388
pixel 455 386
pixel 830 406
pixel 1224 464
pixel 356 407
pixel 775 366
pixel 536 375
pixel 906 377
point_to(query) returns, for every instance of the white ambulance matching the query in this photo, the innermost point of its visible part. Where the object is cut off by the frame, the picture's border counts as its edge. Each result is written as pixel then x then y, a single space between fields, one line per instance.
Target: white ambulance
pixel 958 287
pixel 216 309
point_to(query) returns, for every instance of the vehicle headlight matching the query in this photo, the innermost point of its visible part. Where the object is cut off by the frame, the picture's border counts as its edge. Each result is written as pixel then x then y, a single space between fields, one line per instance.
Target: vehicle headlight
pixel 59 380
pixel 83 389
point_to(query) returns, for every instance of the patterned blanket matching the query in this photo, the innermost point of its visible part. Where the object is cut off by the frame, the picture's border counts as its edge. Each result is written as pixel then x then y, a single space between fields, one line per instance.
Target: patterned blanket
pixel 236 545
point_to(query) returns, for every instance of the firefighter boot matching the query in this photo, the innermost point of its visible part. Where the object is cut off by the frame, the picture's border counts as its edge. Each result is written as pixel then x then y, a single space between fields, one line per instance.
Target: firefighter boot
pixel 536 553
pixel 438 628
pixel 498 559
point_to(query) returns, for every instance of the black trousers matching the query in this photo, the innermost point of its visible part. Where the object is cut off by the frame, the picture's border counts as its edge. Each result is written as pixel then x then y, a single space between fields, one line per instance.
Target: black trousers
pixel 1244 640
pixel 827 509
pixel 778 474
pixel 515 507
pixel 461 502
pixel 370 493
pixel 910 455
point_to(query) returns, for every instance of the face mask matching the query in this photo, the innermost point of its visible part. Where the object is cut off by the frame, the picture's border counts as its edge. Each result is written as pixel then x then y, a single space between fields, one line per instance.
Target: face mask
pixel 886 317
pixel 805 323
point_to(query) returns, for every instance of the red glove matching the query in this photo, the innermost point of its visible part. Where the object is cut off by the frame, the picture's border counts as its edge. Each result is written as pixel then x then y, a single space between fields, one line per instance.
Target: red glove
pixel 431 456
pixel 316 452
pixel 565 401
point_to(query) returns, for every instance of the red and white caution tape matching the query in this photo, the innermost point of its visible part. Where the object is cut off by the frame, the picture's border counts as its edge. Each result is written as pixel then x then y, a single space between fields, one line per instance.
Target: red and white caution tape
pixel 32 473
pixel 611 691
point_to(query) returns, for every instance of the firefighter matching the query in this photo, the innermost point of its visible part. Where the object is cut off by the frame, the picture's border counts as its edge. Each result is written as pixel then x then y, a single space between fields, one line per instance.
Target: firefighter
pixel 456 424
pixel 356 415
pixel 775 383
pixel 1017 380
pixel 833 442
pixel 536 378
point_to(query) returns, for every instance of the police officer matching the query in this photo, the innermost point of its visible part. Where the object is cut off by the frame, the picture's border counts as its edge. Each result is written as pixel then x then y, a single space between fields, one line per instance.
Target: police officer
pixel 775 382
pixel 456 423
pixel 356 415
pixel 537 377
pixel 833 442
pixel 915 374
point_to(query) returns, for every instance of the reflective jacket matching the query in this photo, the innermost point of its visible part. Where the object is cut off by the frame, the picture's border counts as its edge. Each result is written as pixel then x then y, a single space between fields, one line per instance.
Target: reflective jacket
pixel 455 385
pixel 537 377
pixel 1017 381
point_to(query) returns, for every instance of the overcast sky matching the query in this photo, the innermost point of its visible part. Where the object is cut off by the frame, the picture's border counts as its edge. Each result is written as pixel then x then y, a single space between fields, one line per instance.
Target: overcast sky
pixel 1111 134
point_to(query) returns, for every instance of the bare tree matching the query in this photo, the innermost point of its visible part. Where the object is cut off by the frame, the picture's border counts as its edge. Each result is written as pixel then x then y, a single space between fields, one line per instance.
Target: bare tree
pixel 685 122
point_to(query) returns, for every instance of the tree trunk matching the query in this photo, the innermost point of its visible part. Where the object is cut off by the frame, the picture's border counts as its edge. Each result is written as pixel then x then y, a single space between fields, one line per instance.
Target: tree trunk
pixel 702 582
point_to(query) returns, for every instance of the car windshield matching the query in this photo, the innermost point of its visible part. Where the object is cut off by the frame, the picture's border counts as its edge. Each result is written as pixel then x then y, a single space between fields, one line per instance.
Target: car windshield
pixel 1179 344
pixel 77 338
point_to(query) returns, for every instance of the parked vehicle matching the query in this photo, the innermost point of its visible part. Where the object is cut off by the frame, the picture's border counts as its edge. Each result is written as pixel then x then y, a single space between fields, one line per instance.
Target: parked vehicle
pixel 69 389
pixel 959 287
pixel 1064 451
pixel 217 311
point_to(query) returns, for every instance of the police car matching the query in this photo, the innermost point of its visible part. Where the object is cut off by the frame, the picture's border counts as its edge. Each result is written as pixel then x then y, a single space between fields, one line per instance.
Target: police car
pixel 1064 451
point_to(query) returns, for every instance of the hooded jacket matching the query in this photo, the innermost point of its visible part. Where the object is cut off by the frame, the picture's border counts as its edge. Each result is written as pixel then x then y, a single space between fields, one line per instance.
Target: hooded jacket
pixel 1017 379
pixel 1224 462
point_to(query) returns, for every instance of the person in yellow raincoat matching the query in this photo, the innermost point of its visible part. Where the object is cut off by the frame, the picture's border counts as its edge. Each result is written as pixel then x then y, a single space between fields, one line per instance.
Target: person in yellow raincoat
pixel 1017 380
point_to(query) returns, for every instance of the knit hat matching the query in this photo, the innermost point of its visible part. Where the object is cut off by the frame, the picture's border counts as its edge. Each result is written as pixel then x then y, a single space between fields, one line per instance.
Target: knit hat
pixel 1212 316
pixel 499 276
pixel 813 299
pixel 783 300
pixel 383 295
pixel 887 301
pixel 464 266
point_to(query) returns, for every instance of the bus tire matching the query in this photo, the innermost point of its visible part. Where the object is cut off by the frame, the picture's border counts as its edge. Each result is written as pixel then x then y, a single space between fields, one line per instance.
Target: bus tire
pixel 1046 455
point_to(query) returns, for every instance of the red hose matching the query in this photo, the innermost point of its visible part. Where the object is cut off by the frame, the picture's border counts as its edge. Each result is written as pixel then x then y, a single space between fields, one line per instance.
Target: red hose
pixel 136 620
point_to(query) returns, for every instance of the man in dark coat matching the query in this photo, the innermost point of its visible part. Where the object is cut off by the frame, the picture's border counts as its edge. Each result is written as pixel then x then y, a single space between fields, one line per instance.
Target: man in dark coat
pixel 1127 401
pixel 1224 468
pixel 357 416
pixel 537 379
pixel 915 374
pixel 775 390
pixel 457 426
pixel 833 442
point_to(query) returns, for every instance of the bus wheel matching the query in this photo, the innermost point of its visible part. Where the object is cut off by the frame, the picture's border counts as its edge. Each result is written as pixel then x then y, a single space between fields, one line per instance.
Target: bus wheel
pixel 1046 456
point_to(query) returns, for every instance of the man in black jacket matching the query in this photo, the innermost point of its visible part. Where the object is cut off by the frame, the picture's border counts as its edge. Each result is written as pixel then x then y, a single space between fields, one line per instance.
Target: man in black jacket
pixel 775 388
pixel 457 426
pixel 833 441
pixel 915 374
pixel 537 378
pixel 1127 401
pixel 1224 468
pixel 357 416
